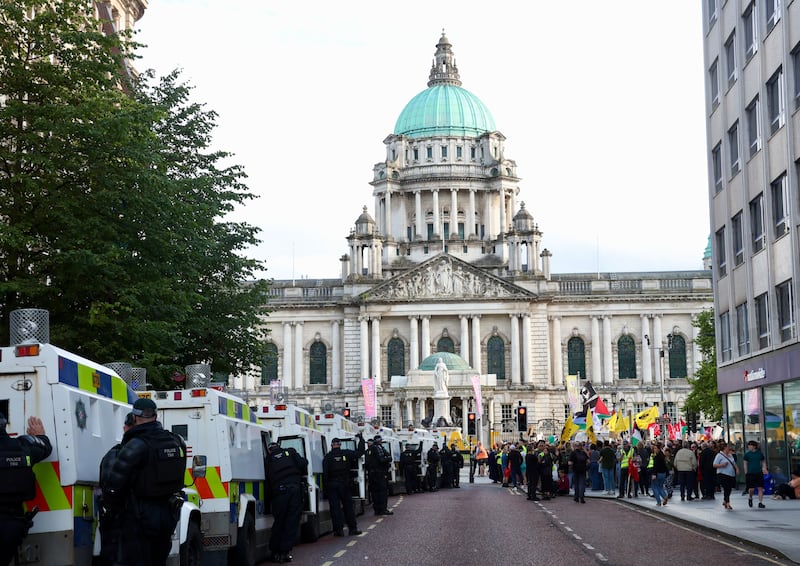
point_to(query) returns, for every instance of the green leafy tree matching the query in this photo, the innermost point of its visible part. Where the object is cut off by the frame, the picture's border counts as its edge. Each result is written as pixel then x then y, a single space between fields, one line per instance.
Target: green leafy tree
pixel 704 397
pixel 113 206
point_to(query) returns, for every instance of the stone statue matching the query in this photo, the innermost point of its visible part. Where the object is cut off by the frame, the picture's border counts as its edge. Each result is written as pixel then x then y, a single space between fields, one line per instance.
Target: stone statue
pixel 441 379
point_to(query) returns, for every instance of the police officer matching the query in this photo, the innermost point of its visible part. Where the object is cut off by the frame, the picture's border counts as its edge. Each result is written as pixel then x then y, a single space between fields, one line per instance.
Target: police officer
pixel 447 467
pixel 532 472
pixel 337 479
pixel 433 466
pixel 545 460
pixel 377 462
pixel 109 527
pixel 457 462
pixel 285 473
pixel 408 462
pixel 17 482
pixel 142 488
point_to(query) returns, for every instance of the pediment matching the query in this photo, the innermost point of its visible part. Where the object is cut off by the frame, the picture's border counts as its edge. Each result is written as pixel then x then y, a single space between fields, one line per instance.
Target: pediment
pixel 446 278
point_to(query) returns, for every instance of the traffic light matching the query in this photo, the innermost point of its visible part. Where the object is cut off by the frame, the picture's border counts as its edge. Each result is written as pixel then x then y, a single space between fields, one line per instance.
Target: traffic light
pixel 522 419
pixel 692 422
pixel 346 412
pixel 471 424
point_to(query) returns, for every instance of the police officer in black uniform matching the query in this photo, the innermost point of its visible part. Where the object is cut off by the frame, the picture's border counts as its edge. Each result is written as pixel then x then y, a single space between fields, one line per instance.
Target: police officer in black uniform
pixel 377 462
pixel 433 466
pixel 336 478
pixel 457 463
pixel 17 482
pixel 447 467
pixel 142 488
pixel 408 462
pixel 285 473
pixel 532 472
pixel 109 527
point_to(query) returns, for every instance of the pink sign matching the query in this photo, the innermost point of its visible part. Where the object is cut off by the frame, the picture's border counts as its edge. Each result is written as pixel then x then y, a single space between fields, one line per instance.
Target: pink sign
pixel 368 389
pixel 476 386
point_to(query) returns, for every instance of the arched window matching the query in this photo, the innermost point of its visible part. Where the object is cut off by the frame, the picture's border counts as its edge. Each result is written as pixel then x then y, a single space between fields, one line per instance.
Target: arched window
pixel 677 357
pixel 269 367
pixel 496 357
pixel 576 357
pixel 626 355
pixel 318 364
pixel 445 344
pixel 396 353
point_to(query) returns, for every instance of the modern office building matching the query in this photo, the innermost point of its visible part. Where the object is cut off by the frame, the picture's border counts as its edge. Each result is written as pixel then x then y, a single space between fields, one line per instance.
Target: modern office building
pixel 449 259
pixel 752 62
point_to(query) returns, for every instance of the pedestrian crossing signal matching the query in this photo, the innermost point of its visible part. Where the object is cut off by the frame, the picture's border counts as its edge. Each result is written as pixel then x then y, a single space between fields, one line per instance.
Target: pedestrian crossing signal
pixel 522 419
pixel 346 412
pixel 471 424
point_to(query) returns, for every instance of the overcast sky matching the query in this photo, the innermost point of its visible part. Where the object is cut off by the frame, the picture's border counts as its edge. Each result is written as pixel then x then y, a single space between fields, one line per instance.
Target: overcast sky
pixel 601 103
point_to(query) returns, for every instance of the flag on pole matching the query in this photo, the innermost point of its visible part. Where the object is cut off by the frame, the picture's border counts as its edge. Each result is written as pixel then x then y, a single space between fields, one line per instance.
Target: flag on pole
pixel 590 436
pixel 569 430
pixel 622 424
pixel 645 418
pixel 612 421
pixel 636 438
pixel 368 390
pixel 600 410
pixel 476 388
pixel 573 395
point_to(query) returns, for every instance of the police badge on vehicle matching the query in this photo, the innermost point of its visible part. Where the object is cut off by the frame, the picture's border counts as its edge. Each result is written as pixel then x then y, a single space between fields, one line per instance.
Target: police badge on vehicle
pixel 80 414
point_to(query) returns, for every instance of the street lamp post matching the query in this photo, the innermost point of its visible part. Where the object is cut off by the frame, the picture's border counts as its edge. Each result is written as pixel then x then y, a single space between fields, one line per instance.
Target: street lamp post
pixel 661 418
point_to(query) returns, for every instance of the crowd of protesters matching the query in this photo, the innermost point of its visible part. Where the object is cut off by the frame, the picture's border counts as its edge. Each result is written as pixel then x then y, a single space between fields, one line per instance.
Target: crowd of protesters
pixel 693 470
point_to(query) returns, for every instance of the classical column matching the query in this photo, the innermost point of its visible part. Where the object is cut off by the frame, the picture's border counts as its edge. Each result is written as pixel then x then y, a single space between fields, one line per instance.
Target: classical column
pixel 409 412
pixel 454 213
pixel 436 225
pixel 364 335
pixel 418 209
pixel 502 207
pixel 464 336
pixel 515 377
pixel 476 342
pixel 696 358
pixel 426 337
pixel 608 371
pixel 413 354
pixel 470 228
pixel 597 369
pixel 490 411
pixel 336 363
pixel 387 222
pixel 287 355
pixel 376 348
pixel 526 348
pixel 555 343
pixel 647 366
pixel 657 343
pixel 298 355
pixel 397 413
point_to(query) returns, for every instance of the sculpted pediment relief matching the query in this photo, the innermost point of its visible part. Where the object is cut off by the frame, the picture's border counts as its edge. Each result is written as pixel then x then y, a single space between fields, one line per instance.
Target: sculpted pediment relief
pixel 444 277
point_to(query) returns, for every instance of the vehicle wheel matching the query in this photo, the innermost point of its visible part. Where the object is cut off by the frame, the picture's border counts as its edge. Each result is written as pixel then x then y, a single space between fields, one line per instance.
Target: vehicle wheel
pixel 192 549
pixel 309 531
pixel 244 552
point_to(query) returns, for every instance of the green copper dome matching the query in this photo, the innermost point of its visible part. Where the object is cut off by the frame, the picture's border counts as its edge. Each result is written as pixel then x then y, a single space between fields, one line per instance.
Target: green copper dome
pixel 452 361
pixel 444 110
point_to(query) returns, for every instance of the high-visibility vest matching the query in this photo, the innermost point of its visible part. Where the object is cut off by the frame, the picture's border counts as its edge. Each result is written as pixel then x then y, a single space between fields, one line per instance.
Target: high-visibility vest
pixel 625 457
pixel 482 454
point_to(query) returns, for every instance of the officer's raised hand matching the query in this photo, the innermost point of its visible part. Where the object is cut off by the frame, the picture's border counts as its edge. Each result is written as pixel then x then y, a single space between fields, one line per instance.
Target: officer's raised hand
pixel 35 426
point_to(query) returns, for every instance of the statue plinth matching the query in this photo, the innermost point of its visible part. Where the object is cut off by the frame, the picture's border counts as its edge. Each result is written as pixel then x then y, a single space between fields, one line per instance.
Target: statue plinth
pixel 441 407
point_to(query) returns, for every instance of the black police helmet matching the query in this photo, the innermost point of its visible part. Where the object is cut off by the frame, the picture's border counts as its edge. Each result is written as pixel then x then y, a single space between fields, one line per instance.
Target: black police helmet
pixel 273 447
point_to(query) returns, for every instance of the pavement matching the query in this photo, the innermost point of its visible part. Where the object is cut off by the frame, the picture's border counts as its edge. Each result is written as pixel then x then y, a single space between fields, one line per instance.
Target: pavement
pixel 775 529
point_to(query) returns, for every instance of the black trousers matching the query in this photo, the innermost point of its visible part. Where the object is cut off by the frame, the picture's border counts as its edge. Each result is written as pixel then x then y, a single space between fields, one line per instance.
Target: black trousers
pixel 287 509
pixel 532 476
pixel 410 475
pixel 13 530
pixel 432 478
pixel 379 489
pixel 341 503
pixel 147 527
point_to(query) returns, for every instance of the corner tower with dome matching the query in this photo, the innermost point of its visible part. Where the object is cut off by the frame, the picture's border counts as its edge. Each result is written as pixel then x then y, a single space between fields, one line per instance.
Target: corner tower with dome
pixel 444 186
pixel 446 264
